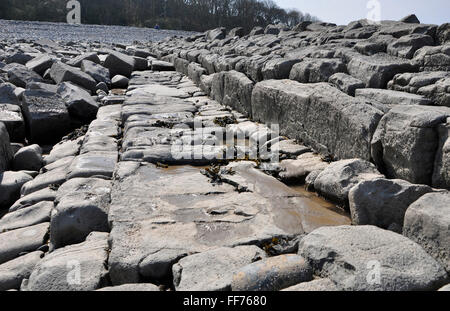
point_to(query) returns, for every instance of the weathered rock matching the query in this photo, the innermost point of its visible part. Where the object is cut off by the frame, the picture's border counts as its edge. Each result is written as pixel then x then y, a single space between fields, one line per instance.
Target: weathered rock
pixel 7 95
pixel 443 34
pixel 79 267
pixel 13 272
pixel 52 178
pixel 33 198
pixel 40 64
pixel 46 114
pixel 441 173
pixel 93 164
pixel 28 159
pixel 195 72
pixel 318 285
pixel 370 258
pixel 61 72
pixel 312 70
pixel 377 70
pixel 79 102
pixel 257 31
pixel 411 19
pixel 406 46
pixel 216 34
pixel 338 178
pixel 387 99
pixel 64 149
pixel 236 32
pixel 346 83
pixel 26 217
pixel 296 170
pixel 278 68
pixel 383 202
pixel 318 115
pixel 233 89
pixel 6 154
pixel 119 64
pixel 18 58
pixel 427 223
pixel 10 185
pixel 11 117
pixel 158 65
pixel 131 288
pixel 433 58
pixel 96 71
pixel 272 274
pixel 405 143
pixel 20 75
pixel 15 242
pixel 445 288
pixel 82 208
pixel 213 270
pixel 78 61
pixel 119 82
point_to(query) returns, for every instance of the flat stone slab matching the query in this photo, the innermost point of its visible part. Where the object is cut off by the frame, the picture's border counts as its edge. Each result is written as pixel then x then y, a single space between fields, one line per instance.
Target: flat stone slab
pixel 15 242
pixel 26 217
pixel 93 164
pixel 13 272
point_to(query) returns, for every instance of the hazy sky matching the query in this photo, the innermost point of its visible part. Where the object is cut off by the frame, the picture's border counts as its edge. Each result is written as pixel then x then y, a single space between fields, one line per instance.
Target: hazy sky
pixel 343 11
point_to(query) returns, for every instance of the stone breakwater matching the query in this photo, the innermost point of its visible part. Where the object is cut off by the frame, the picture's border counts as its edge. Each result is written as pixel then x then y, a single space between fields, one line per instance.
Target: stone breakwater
pixel 142 192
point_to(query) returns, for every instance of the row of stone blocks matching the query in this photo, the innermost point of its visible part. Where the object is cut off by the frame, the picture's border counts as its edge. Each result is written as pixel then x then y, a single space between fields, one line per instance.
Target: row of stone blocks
pixel 409 142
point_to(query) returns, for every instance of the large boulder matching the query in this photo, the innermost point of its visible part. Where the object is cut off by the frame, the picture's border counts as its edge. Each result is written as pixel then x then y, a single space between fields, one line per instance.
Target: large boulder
pixel 20 75
pixel 406 141
pixel 386 99
pixel 46 115
pixel 10 185
pixel 79 267
pixel 406 46
pixel 82 208
pixel 346 83
pixel 377 70
pixel 383 202
pixel 317 114
pixel 15 271
pixel 6 153
pixel 213 270
pixel 40 64
pixel 28 158
pixel 338 178
pixel 427 222
pixel 96 71
pixel 278 68
pixel 119 64
pixel 233 89
pixel 370 259
pixel 79 102
pixel 11 116
pixel 61 72
pixel 26 217
pixel 433 58
pixel 272 274
pixel 312 70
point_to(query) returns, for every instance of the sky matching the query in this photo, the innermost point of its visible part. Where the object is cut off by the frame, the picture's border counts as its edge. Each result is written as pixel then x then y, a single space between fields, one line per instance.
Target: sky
pixel 342 12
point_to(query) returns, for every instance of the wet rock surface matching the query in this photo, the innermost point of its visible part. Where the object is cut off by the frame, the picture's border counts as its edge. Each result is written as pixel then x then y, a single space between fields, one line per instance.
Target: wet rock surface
pixel 181 164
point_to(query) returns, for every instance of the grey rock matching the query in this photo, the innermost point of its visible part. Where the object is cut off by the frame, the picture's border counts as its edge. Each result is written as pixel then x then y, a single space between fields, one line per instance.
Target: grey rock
pixel 377 70
pixel 370 258
pixel 338 178
pixel 6 154
pixel 158 65
pixel 278 68
pixel 15 242
pixel 120 82
pixel 346 83
pixel 78 61
pixel 29 216
pixel 411 19
pixel 7 95
pixel 93 164
pixel 46 114
pixel 427 223
pixel 406 46
pixel 119 63
pixel 20 75
pixel 10 185
pixel 296 170
pixel 11 116
pixel 195 72
pixel 18 58
pixel 433 58
pixel 33 198
pixel 216 34
pixel 52 178
pixel 443 34
pixel 79 267
pixel 28 159
pixel 386 99
pixel 61 72
pixel 82 208
pixel 317 285
pixel 236 32
pixel 40 64
pixel 64 149
pixel 316 70
pixel 257 31
pixel 383 202
pixel 309 113
pixel 272 274
pixel 140 63
pixel 79 102
pixel 406 141
pixel 13 272
pixel 445 288
pixel 96 71
pixel 213 270
pixel 441 172
pixel 131 288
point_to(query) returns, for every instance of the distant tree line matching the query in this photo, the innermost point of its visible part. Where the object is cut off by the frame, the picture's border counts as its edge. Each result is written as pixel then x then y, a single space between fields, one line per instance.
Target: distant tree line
pixel 195 15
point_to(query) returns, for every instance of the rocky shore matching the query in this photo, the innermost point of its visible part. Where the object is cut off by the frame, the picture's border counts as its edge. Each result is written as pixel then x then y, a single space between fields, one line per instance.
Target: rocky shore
pixel 313 158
